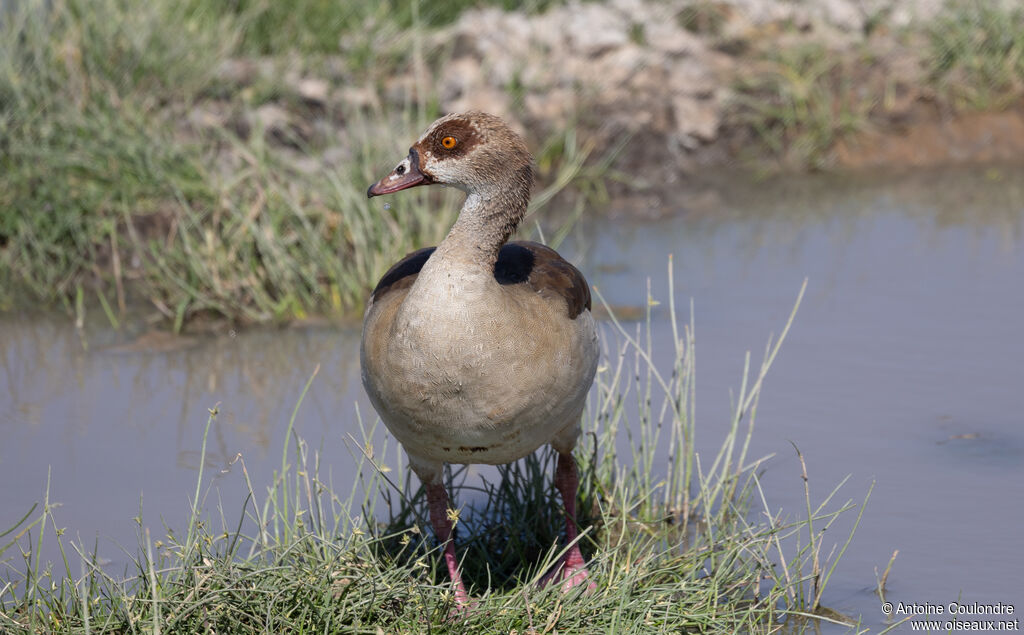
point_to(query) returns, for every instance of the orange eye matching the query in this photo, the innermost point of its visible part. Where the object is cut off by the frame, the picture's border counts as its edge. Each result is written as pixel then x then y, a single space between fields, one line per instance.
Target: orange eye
pixel 449 142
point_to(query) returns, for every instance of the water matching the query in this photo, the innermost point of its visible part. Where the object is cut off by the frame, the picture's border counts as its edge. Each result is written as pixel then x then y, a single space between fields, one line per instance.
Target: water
pixel 903 369
pixel 903 366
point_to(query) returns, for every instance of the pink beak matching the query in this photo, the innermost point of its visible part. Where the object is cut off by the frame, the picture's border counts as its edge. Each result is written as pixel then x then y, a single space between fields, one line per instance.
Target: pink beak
pixel 407 174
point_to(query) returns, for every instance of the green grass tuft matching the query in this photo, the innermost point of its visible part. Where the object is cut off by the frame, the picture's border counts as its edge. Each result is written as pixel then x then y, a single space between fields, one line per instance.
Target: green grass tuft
pixel 977 54
pixel 800 101
pixel 136 162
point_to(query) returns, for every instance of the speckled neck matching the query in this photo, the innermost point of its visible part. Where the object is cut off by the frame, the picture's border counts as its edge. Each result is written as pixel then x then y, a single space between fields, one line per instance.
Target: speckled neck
pixel 488 218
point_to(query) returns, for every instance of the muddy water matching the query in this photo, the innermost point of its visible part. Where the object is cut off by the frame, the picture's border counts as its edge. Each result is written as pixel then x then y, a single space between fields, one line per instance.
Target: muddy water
pixel 903 369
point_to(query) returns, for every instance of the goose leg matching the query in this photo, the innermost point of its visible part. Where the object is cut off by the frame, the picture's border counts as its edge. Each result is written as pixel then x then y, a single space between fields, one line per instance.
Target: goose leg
pixel 437 498
pixel 572 570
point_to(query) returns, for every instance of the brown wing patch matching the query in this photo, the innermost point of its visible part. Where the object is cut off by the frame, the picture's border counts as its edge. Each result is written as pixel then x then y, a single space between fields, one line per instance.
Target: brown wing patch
pixel 402 274
pixel 545 271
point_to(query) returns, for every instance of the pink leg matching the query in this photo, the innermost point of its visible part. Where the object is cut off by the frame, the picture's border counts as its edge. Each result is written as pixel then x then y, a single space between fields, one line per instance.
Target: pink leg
pixel 572 571
pixel 437 498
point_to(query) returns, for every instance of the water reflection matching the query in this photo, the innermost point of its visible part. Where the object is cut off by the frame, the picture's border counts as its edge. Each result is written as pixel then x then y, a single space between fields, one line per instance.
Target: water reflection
pixel 49 377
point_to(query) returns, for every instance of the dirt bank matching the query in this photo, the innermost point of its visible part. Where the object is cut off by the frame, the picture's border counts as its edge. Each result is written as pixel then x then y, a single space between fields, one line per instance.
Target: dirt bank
pixel 936 139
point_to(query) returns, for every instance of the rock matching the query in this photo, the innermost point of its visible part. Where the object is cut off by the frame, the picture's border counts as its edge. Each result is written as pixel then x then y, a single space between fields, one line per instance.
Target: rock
pixel 695 119
pixel 460 77
pixel 488 99
pixel 359 96
pixel 307 164
pixel 240 72
pixel 399 89
pixel 337 156
pixel 497 40
pixel 314 91
pixel 691 76
pixel 593 29
pixel 642 11
pixel 621 66
pixel 668 38
pixel 281 126
pixel 272 117
pixel 555 105
pixel 204 116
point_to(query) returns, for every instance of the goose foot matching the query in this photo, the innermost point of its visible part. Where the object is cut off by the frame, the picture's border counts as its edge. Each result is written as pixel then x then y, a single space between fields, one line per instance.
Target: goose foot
pixel 571 571
pixel 437 500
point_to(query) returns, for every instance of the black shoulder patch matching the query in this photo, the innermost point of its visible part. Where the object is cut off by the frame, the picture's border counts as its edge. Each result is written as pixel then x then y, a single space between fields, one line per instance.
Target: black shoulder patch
pixel 545 271
pixel 514 265
pixel 403 273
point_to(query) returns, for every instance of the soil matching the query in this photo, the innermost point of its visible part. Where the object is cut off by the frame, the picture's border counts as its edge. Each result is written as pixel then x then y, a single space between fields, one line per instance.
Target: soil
pixel 934 139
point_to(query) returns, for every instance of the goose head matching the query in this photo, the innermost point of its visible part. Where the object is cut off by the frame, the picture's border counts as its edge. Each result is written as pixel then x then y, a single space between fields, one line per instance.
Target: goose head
pixel 474 151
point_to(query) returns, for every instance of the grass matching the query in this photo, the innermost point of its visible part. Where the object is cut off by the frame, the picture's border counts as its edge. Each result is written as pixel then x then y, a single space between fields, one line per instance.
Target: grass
pixel 676 541
pixel 800 101
pixel 133 166
pixel 977 54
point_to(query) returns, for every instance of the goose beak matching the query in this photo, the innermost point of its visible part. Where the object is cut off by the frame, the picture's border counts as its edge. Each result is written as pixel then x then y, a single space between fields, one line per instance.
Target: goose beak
pixel 405 175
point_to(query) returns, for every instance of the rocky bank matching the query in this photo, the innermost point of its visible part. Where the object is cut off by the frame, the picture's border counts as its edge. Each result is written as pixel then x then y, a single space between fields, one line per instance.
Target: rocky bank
pixel 696 81
pixel 790 84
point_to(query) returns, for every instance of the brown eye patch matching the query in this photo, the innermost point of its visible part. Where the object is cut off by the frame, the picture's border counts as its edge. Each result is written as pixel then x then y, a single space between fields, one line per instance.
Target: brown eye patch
pixel 453 139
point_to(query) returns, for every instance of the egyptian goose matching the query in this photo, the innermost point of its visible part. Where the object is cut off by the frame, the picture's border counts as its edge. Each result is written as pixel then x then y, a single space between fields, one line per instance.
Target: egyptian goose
pixel 480 350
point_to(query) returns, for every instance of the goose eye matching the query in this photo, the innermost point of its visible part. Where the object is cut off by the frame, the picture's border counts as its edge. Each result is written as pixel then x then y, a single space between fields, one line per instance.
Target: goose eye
pixel 449 142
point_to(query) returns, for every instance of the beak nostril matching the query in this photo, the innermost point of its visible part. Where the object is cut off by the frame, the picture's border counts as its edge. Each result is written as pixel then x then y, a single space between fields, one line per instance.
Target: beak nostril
pixel 405 175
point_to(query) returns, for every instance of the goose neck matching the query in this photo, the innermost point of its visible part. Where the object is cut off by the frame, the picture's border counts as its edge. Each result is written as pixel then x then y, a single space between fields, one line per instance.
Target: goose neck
pixel 485 223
